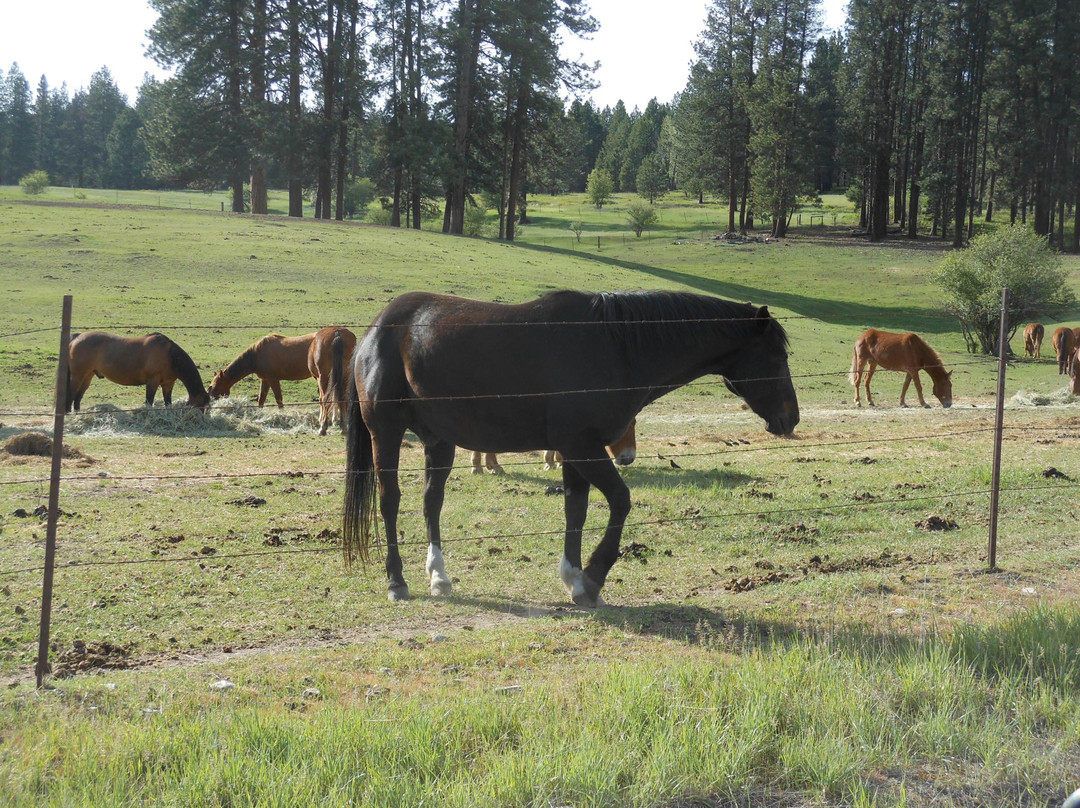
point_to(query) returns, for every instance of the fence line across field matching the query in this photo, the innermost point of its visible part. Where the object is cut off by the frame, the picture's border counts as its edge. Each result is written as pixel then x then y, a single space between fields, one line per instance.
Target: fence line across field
pixel 742 449
pixel 695 518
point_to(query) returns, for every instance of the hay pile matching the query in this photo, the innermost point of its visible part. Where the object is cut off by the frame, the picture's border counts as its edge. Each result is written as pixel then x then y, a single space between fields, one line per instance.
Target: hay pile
pixel 37 444
pixel 1028 398
pixel 230 417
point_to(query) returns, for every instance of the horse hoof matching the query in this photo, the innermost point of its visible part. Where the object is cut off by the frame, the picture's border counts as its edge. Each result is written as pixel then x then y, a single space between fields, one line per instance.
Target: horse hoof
pixel 397 593
pixel 477 470
pixel 440 586
pixel 498 470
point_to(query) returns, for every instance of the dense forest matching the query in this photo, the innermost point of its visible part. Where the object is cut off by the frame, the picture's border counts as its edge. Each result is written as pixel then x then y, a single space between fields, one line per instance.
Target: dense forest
pixel 929 114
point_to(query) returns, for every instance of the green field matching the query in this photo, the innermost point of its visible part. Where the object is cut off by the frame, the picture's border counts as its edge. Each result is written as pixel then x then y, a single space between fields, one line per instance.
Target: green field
pixel 787 626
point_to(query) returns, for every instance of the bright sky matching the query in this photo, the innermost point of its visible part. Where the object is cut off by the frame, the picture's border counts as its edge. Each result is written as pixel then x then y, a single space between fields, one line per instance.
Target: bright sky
pixel 643 54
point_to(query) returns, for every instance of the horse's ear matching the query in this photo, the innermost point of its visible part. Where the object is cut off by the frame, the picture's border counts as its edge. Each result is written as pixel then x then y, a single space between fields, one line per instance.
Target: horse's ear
pixel 949 374
pixel 763 316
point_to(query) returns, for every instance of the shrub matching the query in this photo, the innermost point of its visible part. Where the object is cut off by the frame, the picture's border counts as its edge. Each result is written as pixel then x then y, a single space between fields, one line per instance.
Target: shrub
pixel 641 216
pixel 599 187
pixel 475 222
pixel 359 194
pixel 576 228
pixel 973 278
pixel 34 183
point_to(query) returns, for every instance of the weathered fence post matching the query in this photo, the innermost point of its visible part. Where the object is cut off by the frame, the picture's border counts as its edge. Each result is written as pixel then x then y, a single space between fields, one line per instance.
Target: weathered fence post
pixel 54 493
pixel 995 478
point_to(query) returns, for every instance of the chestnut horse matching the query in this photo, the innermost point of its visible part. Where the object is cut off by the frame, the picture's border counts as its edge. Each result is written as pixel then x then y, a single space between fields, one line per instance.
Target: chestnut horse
pixel 154 360
pixel 324 354
pixel 1064 342
pixel 908 353
pixel 1033 337
pixel 623 451
pixel 568 371
pixel 1074 373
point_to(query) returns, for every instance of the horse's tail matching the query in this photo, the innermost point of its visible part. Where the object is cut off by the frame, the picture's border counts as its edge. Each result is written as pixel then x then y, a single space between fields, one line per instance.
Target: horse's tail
pixel 337 370
pixel 360 488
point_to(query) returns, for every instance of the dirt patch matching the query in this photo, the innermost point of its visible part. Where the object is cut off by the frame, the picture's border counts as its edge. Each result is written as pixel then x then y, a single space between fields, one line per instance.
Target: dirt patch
pixel 83 657
pixel 767 573
pixel 937 523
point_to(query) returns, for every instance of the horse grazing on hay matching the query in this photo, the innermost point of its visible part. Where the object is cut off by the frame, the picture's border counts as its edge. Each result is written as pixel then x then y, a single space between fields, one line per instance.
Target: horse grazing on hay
pixel 908 353
pixel 1033 337
pixel 1064 342
pixel 568 371
pixel 154 360
pixel 623 452
pixel 324 354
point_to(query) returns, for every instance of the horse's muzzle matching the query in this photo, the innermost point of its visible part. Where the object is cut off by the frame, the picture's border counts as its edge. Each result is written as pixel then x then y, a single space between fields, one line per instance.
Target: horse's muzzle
pixel 784 424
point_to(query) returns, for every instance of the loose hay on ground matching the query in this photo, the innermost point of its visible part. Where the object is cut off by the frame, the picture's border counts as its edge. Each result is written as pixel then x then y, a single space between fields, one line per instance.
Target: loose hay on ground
pixel 226 418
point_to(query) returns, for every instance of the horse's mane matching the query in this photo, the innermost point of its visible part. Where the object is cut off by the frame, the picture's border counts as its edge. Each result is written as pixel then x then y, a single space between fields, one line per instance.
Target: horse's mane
pixel 638 318
pixel 931 359
pixel 185 369
pixel 243 365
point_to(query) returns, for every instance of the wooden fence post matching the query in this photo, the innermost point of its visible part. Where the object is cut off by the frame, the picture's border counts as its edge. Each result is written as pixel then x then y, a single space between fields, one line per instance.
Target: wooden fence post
pixel 54 494
pixel 995 479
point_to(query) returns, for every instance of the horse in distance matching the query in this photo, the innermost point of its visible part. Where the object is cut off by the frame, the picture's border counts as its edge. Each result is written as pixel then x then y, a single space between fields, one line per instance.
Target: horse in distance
pixel 1033 338
pixel 1064 342
pixel 153 360
pixel 622 452
pixel 322 354
pixel 568 371
pixel 907 353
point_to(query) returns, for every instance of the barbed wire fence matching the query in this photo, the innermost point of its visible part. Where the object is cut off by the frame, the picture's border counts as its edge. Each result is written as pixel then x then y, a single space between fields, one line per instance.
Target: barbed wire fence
pixel 47 568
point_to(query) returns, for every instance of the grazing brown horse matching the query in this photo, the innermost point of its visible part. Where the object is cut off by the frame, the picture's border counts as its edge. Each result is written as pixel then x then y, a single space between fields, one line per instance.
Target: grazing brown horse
pixel 324 354
pixel 1074 373
pixel 1064 342
pixel 1033 337
pixel 623 451
pixel 568 371
pixel 908 353
pixel 154 360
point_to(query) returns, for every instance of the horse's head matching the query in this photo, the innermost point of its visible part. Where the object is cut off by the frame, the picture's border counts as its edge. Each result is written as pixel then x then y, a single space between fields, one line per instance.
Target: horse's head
pixel 200 400
pixel 219 386
pixel 943 389
pixel 624 450
pixel 759 374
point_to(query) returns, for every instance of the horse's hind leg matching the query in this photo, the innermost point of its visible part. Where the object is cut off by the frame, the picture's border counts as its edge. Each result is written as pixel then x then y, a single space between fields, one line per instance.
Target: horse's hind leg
pixel 866 380
pixel 438 460
pixel 386 454
pixel 324 405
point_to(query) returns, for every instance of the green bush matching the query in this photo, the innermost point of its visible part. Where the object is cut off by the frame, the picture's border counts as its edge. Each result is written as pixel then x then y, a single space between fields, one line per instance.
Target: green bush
pixel 475 223
pixel 359 194
pixel 34 183
pixel 641 216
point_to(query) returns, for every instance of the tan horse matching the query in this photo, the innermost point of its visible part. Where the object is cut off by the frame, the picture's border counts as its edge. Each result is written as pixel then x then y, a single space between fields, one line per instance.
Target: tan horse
pixel 623 451
pixel 1074 373
pixel 1064 342
pixel 904 352
pixel 154 360
pixel 1033 337
pixel 324 354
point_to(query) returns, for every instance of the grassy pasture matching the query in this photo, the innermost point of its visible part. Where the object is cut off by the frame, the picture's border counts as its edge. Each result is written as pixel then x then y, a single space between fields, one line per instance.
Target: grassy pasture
pixel 785 627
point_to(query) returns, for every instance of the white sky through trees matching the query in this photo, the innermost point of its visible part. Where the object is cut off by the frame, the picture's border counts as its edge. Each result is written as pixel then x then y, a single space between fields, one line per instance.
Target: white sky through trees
pixel 644 46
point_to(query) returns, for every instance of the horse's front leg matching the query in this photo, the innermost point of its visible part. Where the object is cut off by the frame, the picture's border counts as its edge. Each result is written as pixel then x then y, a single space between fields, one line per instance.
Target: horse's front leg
pixel 275 385
pixel 576 507
pixel 151 391
pixel 264 388
pixel 438 460
pixel 597 468
pixel 386 452
pixel 166 393
pixel 918 389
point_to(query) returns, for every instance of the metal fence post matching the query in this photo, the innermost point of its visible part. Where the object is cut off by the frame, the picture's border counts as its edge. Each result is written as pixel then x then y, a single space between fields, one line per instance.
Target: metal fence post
pixel 54 494
pixel 995 479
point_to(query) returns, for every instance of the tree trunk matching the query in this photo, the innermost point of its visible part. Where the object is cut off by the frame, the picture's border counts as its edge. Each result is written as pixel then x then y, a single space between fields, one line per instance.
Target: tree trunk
pixel 295 159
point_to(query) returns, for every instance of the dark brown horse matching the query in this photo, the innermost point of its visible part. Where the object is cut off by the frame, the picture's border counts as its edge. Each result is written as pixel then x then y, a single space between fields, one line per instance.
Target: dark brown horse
pixel 568 371
pixel 324 354
pixel 907 353
pixel 623 451
pixel 1064 342
pixel 1033 337
pixel 154 360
